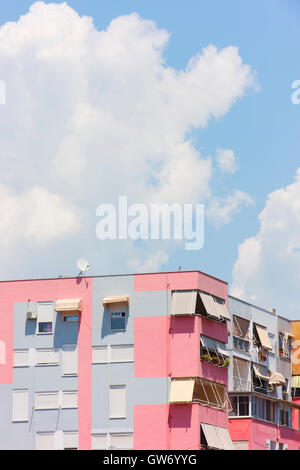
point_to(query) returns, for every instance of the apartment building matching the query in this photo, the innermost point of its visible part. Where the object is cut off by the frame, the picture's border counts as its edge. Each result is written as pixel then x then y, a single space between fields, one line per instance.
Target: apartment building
pixel 263 415
pixel 115 362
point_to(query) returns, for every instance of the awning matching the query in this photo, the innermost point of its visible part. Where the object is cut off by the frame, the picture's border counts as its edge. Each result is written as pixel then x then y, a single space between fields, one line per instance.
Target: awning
pixel 181 391
pixel 261 371
pixel 224 438
pixel 288 335
pixel 183 303
pixel 276 378
pixel 211 436
pixel 210 305
pixel 68 305
pixel 115 299
pixel 208 343
pixel 296 381
pixel 221 348
pixel 217 437
pixel 263 337
pixel 222 309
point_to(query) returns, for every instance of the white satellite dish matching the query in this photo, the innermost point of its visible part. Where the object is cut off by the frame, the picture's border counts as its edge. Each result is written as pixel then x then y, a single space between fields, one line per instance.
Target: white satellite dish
pixel 82 265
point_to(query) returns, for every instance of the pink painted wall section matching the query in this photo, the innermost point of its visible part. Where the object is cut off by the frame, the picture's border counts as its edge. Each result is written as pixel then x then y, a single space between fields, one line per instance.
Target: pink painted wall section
pixel 180 281
pixel 184 433
pixel 151 427
pixel 296 415
pixel 213 329
pixel 151 349
pixel 240 429
pixel 51 290
pixel 258 432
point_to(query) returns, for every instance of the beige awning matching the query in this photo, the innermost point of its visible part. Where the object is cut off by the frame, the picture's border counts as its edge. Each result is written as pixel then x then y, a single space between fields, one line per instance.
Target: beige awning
pixel 222 309
pixel 276 378
pixel 68 305
pixel 181 391
pixel 210 305
pixel 296 381
pixel 211 436
pixel 184 303
pixel 224 438
pixel 261 371
pixel 263 337
pixel 115 299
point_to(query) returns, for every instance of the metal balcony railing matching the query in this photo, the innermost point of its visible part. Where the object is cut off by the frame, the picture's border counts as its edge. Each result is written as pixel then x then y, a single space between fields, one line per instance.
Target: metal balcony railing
pixel 241 344
pixel 241 385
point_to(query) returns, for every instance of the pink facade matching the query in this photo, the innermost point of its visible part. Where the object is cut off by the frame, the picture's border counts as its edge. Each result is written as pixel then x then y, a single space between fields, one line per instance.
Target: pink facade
pixel 257 432
pixel 170 347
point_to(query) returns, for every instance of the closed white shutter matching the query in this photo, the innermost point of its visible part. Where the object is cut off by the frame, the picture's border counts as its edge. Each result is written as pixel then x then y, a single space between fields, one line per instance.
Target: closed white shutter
pixel 240 445
pixel 69 400
pixel 71 440
pixel 121 441
pixel 183 303
pixel 45 312
pixel 117 401
pixel 46 400
pixel 100 354
pixel 47 356
pixel 45 441
pixel 122 353
pixel 99 441
pixel 21 358
pixel 20 405
pixel 69 359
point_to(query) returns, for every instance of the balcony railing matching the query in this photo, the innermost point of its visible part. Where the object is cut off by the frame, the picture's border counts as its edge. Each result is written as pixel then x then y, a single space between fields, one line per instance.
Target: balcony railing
pixel 241 385
pixel 241 344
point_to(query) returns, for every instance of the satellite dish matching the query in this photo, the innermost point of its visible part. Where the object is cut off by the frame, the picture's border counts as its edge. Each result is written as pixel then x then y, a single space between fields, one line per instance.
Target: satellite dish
pixel 82 265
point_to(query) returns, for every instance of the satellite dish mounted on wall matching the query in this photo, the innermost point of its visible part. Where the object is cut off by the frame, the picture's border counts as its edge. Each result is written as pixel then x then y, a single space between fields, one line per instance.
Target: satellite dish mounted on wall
pixel 82 265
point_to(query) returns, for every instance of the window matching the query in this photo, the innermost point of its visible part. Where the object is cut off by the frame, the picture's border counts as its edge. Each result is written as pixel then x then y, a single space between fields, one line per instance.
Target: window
pixel 69 399
pixel 284 345
pixel 240 327
pixel 45 441
pixel 45 317
pixel 285 416
pixel 118 321
pixel 122 353
pixel 47 357
pixel 70 440
pixel 99 441
pixel 240 405
pixel 100 354
pixel 21 358
pixel 214 351
pixel 46 400
pixel 117 408
pixel 198 303
pixel 20 408
pixel 270 411
pixel 69 359
pixel 264 409
pixel 121 441
pixel 260 337
pixel 69 318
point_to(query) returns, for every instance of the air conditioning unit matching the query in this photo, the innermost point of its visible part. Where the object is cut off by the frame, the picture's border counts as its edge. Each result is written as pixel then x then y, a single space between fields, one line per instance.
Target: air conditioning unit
pixel 31 315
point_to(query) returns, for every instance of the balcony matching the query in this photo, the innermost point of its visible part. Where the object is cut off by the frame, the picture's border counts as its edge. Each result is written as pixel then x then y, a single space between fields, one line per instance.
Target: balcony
pixel 241 344
pixel 241 385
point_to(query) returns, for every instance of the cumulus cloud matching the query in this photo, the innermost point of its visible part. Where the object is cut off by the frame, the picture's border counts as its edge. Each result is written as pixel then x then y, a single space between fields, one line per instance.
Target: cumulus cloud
pixel 153 262
pixel 267 270
pixel 91 114
pixel 36 215
pixel 226 160
pixel 222 210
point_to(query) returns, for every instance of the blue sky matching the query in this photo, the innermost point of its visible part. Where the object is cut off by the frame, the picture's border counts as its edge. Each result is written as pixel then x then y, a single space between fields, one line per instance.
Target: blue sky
pixel 262 128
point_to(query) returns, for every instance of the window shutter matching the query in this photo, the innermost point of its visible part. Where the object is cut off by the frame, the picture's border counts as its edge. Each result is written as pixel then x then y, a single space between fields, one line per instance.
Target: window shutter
pixel 69 359
pixel 45 441
pixel 100 355
pixel 121 441
pixel 122 353
pixel 20 405
pixel 69 400
pixel 117 401
pixel 99 441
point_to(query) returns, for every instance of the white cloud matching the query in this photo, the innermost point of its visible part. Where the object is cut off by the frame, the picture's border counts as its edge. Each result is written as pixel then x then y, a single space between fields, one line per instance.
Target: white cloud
pixel 267 270
pixel 222 210
pixel 226 160
pixel 36 215
pixel 153 262
pixel 91 115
